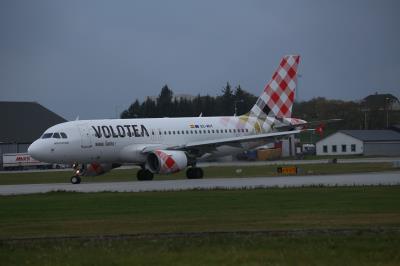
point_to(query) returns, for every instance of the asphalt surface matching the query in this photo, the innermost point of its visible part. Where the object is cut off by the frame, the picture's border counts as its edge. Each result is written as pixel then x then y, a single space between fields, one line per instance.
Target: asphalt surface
pixel 360 179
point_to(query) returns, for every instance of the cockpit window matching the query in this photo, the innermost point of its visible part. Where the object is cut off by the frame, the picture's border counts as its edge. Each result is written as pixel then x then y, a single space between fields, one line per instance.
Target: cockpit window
pixel 56 135
pixel 63 135
pixel 47 135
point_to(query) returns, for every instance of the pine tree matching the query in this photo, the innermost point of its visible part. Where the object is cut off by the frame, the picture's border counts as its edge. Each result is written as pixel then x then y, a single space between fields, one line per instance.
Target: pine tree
pixel 164 102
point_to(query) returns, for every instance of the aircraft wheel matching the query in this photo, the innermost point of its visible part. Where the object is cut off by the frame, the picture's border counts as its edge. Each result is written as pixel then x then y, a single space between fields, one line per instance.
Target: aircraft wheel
pixel 194 173
pixel 144 174
pixel 199 173
pixel 75 179
pixel 189 173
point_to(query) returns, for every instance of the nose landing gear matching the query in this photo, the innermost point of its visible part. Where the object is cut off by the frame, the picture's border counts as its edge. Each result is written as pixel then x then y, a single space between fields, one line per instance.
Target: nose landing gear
pixel 75 179
pixel 79 170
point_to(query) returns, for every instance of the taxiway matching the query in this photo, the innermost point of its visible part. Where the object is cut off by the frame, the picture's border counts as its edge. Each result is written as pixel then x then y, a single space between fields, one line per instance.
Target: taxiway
pixel 360 179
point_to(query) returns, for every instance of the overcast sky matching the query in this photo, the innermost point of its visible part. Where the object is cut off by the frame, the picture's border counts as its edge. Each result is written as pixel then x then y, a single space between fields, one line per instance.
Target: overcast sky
pixel 94 58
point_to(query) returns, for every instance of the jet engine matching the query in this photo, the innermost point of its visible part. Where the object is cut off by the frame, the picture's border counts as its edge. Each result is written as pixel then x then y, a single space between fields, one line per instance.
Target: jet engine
pixel 94 169
pixel 166 162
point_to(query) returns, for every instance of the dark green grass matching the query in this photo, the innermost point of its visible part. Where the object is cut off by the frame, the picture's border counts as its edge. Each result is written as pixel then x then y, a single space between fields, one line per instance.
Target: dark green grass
pixel 209 172
pixel 209 250
pixel 97 214
pixel 63 214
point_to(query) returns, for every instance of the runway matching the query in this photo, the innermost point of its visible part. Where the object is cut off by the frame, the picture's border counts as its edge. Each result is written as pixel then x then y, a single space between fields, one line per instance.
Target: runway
pixel 361 179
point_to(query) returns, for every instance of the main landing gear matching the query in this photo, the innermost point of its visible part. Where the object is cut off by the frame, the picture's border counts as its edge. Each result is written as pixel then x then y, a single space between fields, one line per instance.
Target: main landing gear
pixel 194 173
pixel 144 175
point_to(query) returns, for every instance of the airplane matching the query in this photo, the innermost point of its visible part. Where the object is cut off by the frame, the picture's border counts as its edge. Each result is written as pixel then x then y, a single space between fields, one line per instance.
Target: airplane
pixel 168 145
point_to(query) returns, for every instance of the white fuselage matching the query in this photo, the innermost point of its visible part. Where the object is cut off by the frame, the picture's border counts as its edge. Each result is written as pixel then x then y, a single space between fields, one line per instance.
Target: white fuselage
pixel 122 140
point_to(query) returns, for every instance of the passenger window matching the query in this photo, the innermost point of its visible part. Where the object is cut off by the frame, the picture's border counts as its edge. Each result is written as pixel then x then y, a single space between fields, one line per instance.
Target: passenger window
pixel 226 131
pixel 56 135
pixel 187 131
pixel 47 135
pixel 63 135
pixel 169 132
pixel 204 131
pixel 213 131
pixel 209 131
pixel 230 130
pixel 178 132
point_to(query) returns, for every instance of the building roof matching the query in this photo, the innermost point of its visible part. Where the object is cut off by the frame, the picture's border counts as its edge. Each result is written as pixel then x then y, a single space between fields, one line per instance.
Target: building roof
pixel 24 122
pixel 373 135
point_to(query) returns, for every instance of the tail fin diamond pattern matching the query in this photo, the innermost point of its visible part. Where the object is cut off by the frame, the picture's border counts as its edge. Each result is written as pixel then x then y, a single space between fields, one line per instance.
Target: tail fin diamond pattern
pixel 278 96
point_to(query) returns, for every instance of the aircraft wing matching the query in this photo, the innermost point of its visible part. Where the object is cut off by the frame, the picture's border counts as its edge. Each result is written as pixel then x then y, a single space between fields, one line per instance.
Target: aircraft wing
pixel 209 145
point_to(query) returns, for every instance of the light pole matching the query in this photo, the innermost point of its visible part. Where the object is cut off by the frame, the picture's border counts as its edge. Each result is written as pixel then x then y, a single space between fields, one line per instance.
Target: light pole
pixel 237 101
pixel 364 108
pixel 387 111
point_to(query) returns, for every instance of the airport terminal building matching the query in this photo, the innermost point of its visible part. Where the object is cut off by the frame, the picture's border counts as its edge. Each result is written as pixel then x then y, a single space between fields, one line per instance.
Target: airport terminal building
pixel 365 142
pixel 21 124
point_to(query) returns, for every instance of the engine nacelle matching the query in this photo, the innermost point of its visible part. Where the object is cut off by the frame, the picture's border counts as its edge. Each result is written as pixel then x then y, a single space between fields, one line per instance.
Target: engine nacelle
pixel 166 162
pixel 94 169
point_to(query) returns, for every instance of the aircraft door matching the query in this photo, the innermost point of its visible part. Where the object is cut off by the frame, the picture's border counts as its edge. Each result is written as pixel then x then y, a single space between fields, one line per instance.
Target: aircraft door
pixel 86 139
pixel 157 137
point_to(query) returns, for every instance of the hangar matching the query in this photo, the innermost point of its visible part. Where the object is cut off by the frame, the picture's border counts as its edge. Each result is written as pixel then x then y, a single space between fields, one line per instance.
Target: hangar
pixel 365 142
pixel 21 124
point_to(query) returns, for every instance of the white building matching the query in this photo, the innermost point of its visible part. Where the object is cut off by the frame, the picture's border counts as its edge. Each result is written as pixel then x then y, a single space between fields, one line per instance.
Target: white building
pixel 365 142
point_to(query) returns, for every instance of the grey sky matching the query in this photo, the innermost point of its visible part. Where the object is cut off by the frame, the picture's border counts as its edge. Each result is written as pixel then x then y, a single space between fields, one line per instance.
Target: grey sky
pixel 91 58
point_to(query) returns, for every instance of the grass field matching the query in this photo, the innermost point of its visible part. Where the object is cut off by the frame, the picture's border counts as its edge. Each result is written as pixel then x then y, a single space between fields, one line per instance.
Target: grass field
pixel 7 178
pixel 211 250
pixel 96 214
pixel 55 214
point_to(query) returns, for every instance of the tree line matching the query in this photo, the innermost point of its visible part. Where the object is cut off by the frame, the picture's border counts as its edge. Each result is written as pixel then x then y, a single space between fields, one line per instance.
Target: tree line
pixel 373 112
pixel 166 105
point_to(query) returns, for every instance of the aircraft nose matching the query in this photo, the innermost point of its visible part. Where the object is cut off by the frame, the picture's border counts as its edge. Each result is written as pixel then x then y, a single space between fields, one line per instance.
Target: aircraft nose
pixel 34 150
